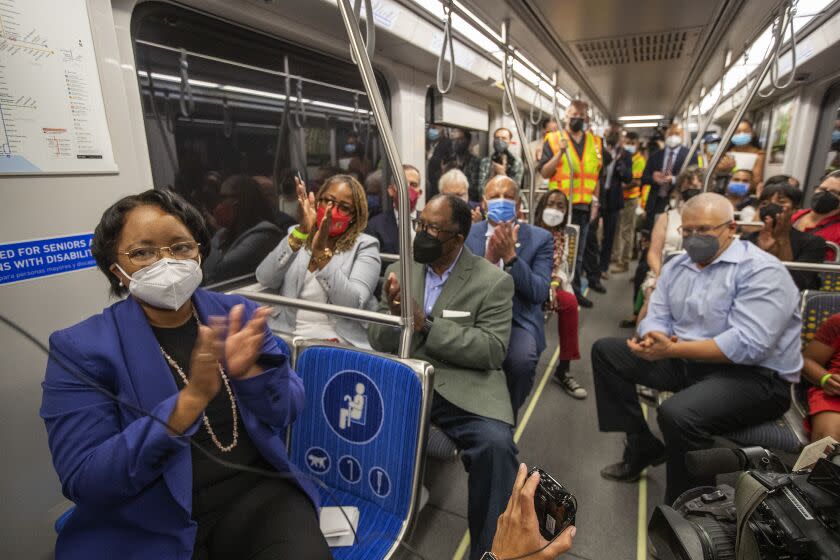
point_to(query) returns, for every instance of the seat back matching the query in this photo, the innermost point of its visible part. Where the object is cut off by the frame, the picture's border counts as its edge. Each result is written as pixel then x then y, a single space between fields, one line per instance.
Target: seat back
pixel 836 248
pixel 375 453
pixel 572 238
pixel 817 306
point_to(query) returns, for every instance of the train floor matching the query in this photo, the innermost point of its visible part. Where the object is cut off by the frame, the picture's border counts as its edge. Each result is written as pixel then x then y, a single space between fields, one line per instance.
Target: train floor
pixel 559 434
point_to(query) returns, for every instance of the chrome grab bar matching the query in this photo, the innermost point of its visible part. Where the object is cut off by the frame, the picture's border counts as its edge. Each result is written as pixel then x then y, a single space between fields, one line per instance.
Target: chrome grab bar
pixel 517 118
pixel 769 60
pixel 253 292
pixel 360 55
pixel 811 267
pixel 389 257
pixel 701 132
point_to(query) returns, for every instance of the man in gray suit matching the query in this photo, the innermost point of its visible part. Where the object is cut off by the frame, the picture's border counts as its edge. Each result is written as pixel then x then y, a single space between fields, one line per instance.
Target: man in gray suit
pixel 462 320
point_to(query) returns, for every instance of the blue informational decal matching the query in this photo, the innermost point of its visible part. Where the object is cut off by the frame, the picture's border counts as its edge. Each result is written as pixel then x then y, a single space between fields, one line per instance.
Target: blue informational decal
pixel 318 460
pixel 349 469
pixel 26 260
pixel 353 406
pixel 379 482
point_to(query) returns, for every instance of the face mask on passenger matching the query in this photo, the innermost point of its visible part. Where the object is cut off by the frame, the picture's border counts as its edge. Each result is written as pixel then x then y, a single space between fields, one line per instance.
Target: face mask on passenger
pixel 630 149
pixel 499 145
pixel 712 147
pixel 576 124
pixel 433 134
pixel 552 217
pixel 823 202
pixel 501 210
pixel 165 284
pixel 742 138
pixel 349 149
pixel 689 193
pixel 673 203
pixel 427 249
pixel 835 137
pixel 701 248
pixel 413 197
pixel 738 188
pixel 673 141
pixel 460 145
pixel 340 221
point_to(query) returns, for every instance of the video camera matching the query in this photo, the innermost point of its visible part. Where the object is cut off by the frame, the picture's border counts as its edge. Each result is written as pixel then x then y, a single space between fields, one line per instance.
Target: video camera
pixel 770 515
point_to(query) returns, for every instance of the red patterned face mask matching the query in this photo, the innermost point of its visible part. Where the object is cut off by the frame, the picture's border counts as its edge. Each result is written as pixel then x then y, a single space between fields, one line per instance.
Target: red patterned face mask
pixel 340 221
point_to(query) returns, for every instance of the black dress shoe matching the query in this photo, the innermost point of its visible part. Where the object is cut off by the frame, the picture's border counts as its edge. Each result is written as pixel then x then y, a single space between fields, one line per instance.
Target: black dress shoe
pixel 597 287
pixel 584 301
pixel 627 324
pixel 641 452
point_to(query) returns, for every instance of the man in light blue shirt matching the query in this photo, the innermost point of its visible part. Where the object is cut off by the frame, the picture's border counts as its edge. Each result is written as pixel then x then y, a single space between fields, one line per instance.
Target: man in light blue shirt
pixel 722 333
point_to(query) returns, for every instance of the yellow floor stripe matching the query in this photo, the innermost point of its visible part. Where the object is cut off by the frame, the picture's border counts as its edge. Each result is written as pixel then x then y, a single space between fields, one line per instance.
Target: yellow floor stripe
pixel 465 540
pixel 641 528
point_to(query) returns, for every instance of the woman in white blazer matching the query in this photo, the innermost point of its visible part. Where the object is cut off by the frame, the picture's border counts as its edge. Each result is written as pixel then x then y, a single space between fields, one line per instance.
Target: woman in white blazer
pixel 325 258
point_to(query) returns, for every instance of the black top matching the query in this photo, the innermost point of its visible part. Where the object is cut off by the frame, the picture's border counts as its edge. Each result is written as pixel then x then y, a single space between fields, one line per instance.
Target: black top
pixel 806 247
pixel 213 484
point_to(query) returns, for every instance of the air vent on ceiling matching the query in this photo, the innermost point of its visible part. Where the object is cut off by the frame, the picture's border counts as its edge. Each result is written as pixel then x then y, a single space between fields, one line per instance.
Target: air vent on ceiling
pixel 646 47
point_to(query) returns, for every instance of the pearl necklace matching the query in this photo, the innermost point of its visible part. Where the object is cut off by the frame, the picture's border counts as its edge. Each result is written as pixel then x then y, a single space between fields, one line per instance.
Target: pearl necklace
pixel 180 372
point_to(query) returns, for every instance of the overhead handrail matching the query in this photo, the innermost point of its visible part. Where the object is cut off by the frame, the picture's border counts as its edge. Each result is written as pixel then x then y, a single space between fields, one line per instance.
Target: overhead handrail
pixel 354 34
pixel 300 114
pixel 447 41
pixel 225 285
pixel 537 101
pixel 227 119
pixel 370 26
pixel 244 66
pixel 779 29
pixel 507 76
pixel 811 267
pixel 187 101
pixel 730 130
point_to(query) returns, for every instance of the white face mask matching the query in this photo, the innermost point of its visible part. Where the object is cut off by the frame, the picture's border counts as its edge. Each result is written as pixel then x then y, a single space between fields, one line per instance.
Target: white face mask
pixel 166 284
pixel 673 203
pixel 673 141
pixel 552 217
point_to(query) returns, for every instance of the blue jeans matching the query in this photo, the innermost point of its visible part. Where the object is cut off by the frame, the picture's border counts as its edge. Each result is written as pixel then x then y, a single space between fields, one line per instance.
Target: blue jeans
pixel 520 366
pixel 489 457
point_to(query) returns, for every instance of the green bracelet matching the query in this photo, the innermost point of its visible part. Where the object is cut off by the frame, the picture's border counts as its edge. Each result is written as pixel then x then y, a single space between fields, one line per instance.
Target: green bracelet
pixel 824 378
pixel 297 234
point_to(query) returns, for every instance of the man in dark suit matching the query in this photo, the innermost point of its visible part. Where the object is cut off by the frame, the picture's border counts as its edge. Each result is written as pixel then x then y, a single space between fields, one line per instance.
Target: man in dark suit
pixel 661 171
pixel 618 173
pixel 462 317
pixel 383 226
pixel 527 254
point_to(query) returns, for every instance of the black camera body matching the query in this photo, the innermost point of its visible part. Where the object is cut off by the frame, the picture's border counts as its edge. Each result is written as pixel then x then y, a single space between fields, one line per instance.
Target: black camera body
pixel 556 507
pixel 797 519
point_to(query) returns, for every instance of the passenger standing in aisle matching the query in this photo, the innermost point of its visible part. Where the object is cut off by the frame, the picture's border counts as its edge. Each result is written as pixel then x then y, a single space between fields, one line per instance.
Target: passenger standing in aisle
pixel 619 173
pixel 661 171
pixel 437 145
pixel 501 161
pixel 526 253
pixel 631 192
pixel 722 333
pixel 462 322
pixel 581 173
pixel 461 157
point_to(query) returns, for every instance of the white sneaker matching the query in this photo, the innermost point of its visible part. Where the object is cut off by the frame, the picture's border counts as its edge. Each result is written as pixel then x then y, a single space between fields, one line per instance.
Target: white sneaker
pixel 572 387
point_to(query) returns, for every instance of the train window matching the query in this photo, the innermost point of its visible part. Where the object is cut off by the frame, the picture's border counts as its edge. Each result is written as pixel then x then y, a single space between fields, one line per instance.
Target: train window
pixel 782 114
pixel 232 116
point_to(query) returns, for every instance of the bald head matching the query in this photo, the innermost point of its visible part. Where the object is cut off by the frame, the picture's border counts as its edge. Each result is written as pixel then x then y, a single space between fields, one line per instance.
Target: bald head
pixel 501 186
pixel 708 205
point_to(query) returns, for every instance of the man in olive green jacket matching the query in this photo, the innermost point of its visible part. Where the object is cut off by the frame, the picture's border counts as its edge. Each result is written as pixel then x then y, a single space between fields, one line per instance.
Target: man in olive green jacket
pixel 462 319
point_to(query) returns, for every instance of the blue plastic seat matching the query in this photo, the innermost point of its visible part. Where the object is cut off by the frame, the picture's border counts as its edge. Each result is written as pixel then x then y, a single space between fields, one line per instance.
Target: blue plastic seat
pixel 375 461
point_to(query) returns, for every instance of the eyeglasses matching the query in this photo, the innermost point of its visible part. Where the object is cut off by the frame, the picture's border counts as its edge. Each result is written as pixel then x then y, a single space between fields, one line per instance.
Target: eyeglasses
pixel 431 229
pixel 144 256
pixel 699 230
pixel 343 206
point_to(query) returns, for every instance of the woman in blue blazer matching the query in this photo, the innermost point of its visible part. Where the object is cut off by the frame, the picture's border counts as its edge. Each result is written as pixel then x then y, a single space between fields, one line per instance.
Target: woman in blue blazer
pixel 141 491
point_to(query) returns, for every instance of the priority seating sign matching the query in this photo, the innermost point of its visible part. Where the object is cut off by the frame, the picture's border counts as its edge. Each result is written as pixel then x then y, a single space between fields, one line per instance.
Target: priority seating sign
pixel 353 407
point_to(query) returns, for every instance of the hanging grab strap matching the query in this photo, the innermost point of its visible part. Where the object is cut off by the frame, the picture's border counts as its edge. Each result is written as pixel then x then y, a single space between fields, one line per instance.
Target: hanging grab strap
pixel 782 22
pixel 187 101
pixel 300 114
pixel 447 41
pixel 227 119
pixel 168 148
pixel 537 101
pixel 357 116
pixel 370 26
pixel 508 70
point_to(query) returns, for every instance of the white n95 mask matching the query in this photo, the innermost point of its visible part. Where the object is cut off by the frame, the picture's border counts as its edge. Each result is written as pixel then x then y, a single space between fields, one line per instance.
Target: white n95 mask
pixel 166 284
pixel 552 217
